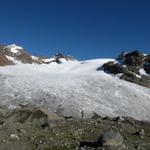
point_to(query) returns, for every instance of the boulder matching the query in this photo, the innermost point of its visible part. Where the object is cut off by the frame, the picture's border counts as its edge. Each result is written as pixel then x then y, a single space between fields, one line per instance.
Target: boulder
pixel 134 61
pixel 147 68
pixel 38 116
pixel 110 138
pixel 147 64
pixel 3 59
pixel 58 56
pixel 25 58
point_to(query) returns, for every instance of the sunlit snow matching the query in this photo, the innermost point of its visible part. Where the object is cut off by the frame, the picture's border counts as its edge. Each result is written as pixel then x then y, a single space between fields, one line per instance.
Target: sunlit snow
pixel 73 87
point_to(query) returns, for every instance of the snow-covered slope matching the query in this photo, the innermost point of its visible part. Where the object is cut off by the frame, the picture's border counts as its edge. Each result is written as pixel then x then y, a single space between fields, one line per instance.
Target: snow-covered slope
pixel 73 89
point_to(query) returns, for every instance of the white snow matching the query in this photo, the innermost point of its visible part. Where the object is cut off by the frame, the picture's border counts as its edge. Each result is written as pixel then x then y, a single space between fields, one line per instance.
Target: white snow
pixel 142 71
pixel 47 60
pixel 12 59
pixel 34 57
pixel 73 87
pixel 14 48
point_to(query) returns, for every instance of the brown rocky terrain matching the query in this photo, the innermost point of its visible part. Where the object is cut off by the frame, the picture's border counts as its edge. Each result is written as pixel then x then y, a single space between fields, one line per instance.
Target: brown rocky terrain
pixel 26 58
pixel 3 60
pixel 29 128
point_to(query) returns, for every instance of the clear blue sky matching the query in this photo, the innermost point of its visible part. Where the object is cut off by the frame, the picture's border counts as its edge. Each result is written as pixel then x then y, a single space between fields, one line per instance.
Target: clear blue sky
pixel 85 29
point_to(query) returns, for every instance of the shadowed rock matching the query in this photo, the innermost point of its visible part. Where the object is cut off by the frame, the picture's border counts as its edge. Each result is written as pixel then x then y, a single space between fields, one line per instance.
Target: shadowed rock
pixel 39 116
pixel 132 78
pixel 110 138
pixel 114 68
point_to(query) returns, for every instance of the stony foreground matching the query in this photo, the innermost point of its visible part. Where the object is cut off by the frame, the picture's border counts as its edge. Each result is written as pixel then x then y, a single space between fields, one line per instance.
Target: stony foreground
pixel 37 129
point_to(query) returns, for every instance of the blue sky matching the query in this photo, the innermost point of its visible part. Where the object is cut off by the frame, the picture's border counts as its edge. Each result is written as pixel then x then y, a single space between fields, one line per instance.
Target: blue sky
pixel 86 29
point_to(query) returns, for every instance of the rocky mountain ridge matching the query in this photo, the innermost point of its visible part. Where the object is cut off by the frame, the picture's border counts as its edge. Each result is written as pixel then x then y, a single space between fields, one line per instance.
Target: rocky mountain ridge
pixel 13 54
pixel 133 67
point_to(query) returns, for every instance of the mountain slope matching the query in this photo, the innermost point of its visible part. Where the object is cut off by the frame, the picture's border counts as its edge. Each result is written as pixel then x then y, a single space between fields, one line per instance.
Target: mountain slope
pixel 73 89
pixel 3 59
pixel 13 54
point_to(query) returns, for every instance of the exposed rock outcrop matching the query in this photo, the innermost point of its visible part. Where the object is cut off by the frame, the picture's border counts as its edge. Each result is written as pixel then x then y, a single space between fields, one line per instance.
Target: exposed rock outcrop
pixel 3 59
pixel 134 79
pixel 13 54
pixel 130 66
pixel 111 138
pixel 114 68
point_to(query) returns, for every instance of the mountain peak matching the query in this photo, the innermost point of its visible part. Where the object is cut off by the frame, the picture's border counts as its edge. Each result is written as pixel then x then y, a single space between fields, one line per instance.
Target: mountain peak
pixel 13 48
pixel 17 54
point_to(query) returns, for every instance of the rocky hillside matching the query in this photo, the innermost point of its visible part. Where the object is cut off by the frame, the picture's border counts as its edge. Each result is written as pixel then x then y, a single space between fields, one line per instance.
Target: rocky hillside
pixel 133 67
pixel 13 54
pixel 3 59
pixel 30 128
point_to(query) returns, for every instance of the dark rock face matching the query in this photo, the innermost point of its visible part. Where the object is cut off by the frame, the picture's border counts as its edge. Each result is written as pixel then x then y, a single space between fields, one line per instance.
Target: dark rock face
pixel 134 58
pixel 114 68
pixel 147 64
pixel 132 78
pixel 129 64
pixel 58 56
pixel 147 68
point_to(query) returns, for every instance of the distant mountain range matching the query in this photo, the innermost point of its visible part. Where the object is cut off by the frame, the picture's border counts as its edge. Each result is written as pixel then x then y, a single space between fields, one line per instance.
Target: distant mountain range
pixel 13 54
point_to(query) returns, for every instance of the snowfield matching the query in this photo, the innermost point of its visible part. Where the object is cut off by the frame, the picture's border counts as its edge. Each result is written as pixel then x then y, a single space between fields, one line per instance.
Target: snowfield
pixel 73 88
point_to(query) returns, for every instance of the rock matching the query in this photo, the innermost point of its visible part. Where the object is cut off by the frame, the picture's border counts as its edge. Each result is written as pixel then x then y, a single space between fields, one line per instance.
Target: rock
pixel 147 64
pixel 134 58
pixel 114 68
pixel 147 68
pixel 118 119
pixel 129 64
pixel 145 77
pixel 140 133
pixel 134 79
pixel 96 116
pixel 14 137
pixel 45 125
pixel 134 61
pixel 38 116
pixel 110 138
pixel 58 56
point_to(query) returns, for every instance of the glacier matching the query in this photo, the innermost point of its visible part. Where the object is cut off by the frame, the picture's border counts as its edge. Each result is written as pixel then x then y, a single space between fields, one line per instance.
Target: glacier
pixel 73 88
